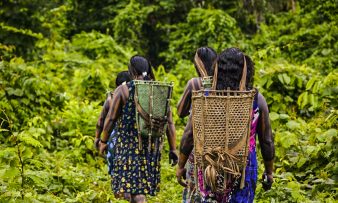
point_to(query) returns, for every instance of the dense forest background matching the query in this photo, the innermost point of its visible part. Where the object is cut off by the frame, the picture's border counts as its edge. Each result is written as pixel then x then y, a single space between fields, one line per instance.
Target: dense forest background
pixel 60 57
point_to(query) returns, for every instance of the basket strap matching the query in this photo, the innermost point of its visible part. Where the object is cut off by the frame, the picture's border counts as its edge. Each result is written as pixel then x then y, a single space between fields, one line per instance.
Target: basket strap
pixel 243 79
pixel 146 115
pixel 141 111
pixel 200 66
pixel 214 79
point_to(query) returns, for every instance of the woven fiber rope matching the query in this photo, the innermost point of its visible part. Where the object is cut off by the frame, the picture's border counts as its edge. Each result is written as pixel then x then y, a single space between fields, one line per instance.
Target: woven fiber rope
pixel 221 128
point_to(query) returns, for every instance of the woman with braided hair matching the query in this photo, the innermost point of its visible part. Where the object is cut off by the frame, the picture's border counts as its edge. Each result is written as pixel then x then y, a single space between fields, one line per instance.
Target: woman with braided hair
pixel 135 162
pixel 230 67
pixel 121 78
pixel 203 61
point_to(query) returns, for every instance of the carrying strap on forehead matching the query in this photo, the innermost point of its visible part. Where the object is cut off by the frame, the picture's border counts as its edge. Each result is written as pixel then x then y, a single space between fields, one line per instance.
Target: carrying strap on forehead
pixel 200 66
pixel 214 81
pixel 243 79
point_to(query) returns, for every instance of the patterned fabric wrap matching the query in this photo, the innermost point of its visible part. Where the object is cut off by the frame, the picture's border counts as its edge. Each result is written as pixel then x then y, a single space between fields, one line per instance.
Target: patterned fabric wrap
pixel 133 170
pixel 233 193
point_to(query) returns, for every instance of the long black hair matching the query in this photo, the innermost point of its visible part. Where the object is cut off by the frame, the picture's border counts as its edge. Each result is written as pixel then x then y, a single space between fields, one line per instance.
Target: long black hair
pixel 121 77
pixel 140 66
pixel 230 64
pixel 208 56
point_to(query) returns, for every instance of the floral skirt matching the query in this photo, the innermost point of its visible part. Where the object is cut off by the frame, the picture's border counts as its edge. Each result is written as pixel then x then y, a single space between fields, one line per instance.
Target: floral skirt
pixel 133 170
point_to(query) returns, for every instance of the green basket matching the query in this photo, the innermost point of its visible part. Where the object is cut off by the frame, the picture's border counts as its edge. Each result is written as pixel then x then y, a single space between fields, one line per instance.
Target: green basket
pixel 152 100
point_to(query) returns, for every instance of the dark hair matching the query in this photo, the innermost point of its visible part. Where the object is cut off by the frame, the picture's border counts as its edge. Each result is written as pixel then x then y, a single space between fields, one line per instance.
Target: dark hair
pixel 139 65
pixel 208 56
pixel 121 77
pixel 230 68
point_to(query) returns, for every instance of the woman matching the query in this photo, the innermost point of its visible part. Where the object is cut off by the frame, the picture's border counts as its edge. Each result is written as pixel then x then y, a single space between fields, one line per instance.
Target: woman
pixel 121 78
pixel 230 67
pixel 135 171
pixel 203 61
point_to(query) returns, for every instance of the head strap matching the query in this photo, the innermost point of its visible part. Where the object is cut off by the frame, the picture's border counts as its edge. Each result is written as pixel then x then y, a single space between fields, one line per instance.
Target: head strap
pixel 214 81
pixel 243 80
pixel 200 66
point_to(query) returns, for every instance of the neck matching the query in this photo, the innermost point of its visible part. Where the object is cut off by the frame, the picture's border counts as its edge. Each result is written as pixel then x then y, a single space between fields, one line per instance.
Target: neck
pixel 140 77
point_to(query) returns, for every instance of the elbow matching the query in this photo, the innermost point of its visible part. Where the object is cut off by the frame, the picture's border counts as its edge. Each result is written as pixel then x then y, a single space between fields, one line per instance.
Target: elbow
pixel 182 113
pixel 179 112
pixel 186 150
pixel 182 110
pixel 268 158
pixel 107 124
pixel 268 151
pixel 99 126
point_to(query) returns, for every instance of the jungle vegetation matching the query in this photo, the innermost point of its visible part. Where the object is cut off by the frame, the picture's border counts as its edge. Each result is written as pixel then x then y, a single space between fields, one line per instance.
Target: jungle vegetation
pixel 59 58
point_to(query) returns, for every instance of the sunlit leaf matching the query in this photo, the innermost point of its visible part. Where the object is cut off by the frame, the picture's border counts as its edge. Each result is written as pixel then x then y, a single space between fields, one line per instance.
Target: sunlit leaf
pixel 293 125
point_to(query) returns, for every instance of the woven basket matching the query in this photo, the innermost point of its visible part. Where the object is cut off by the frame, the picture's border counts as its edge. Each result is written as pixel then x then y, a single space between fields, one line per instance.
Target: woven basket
pixel 152 99
pixel 221 128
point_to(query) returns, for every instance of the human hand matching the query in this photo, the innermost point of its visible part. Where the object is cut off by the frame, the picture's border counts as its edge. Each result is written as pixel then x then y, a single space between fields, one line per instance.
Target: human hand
pixel 103 147
pixel 97 143
pixel 173 158
pixel 181 176
pixel 267 180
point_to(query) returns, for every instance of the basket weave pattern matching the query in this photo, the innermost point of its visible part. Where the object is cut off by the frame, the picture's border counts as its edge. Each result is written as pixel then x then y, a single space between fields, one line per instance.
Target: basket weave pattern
pixel 153 98
pixel 221 122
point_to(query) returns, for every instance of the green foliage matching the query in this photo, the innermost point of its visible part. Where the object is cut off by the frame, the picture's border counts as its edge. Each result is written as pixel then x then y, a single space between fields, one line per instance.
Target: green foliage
pixel 281 84
pixel 22 24
pixel 203 27
pixel 127 25
pixel 290 35
pixel 27 91
pixel 59 58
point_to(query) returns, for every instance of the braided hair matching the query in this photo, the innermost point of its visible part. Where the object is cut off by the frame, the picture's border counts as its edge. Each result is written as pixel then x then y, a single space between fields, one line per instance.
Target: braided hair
pixel 121 77
pixel 208 56
pixel 139 65
pixel 230 64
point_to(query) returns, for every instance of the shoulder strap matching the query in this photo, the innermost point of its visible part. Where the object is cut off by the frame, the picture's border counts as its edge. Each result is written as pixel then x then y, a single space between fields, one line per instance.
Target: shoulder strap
pixel 200 66
pixel 243 80
pixel 196 84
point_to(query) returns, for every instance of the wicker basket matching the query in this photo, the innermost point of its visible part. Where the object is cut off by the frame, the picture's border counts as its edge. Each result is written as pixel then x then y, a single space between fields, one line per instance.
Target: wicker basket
pixel 152 100
pixel 221 128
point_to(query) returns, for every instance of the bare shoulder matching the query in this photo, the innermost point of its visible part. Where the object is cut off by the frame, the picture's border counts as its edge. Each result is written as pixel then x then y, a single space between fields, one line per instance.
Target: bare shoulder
pixel 190 82
pixel 261 101
pixel 110 95
pixel 120 89
pixel 197 79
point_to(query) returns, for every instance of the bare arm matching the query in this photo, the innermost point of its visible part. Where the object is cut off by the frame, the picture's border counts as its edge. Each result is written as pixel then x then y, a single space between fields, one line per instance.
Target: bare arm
pixel 186 146
pixel 119 100
pixel 184 104
pixel 265 135
pixel 171 133
pixel 187 140
pixel 102 117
